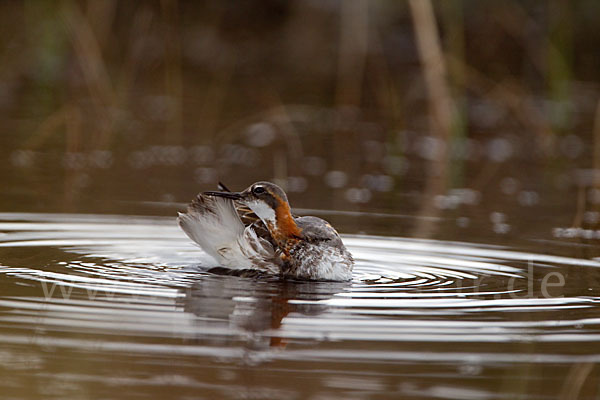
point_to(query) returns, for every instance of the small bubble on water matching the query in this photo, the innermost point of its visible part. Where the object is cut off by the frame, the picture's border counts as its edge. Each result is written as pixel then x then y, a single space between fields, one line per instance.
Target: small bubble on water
pixel 588 234
pixel 470 369
pixel 336 179
pixel 430 148
pixel 557 232
pixel 358 195
pixel 260 134
pixel 465 196
pixel 528 198
pixel 570 233
pixel 379 183
pixel 74 160
pixel 499 149
pixel 501 228
pixel 205 175
pixel 444 202
pixel 22 158
pixel 314 165
pixel 509 185
pixel 497 217
pixel 169 155
pixel 100 159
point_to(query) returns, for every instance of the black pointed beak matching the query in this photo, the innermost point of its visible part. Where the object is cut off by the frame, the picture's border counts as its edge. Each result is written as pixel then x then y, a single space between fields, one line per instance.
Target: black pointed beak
pixel 227 195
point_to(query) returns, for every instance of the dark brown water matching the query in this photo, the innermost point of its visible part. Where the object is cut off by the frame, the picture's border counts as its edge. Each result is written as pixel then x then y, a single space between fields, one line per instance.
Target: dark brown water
pixel 116 304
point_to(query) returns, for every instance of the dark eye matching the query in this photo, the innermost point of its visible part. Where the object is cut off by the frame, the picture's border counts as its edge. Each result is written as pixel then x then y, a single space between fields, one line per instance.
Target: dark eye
pixel 259 190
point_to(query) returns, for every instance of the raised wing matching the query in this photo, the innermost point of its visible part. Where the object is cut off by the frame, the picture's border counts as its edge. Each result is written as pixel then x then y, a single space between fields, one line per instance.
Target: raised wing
pixel 248 217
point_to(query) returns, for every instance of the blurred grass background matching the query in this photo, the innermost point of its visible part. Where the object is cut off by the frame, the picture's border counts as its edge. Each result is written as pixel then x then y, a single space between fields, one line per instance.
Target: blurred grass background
pixel 463 111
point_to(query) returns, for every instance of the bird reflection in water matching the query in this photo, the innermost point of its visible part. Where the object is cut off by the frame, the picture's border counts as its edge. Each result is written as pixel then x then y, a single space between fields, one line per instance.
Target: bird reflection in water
pixel 230 309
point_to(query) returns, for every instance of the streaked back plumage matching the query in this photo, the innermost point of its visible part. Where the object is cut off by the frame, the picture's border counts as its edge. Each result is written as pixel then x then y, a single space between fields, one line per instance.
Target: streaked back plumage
pixel 215 225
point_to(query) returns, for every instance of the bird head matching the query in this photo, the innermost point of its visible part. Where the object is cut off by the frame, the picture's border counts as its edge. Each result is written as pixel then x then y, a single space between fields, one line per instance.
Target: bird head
pixel 269 202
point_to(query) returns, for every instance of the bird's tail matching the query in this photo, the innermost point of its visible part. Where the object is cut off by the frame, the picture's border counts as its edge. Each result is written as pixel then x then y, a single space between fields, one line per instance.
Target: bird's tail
pixel 214 224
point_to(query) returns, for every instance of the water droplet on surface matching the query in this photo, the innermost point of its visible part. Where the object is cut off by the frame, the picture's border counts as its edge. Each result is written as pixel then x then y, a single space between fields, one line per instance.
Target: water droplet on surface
pixel 379 183
pixel 470 369
pixel 430 148
pixel 260 134
pixel 100 159
pixel 444 202
pixel 528 198
pixel 205 175
pixel 74 160
pixel 500 149
pixel 497 217
pixel 465 196
pixel 169 155
pixel 22 158
pixel 501 228
pixel 358 195
pixel 336 179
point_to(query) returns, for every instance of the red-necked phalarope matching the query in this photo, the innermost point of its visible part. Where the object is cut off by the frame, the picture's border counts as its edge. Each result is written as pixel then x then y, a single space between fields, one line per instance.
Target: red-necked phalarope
pixel 255 229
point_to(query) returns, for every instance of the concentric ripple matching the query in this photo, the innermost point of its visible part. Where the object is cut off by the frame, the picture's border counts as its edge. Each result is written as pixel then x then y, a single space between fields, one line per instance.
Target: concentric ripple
pixel 135 291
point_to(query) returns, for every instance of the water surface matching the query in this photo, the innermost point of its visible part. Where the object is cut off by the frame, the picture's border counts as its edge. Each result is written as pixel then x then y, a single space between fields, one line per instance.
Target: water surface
pixel 118 304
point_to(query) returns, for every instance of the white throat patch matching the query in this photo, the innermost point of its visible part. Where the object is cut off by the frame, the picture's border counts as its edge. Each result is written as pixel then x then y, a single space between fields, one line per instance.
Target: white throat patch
pixel 264 212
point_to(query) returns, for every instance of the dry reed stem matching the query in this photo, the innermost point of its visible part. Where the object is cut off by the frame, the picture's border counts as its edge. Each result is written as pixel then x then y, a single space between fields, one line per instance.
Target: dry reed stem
pixel 354 42
pixel 596 138
pixel 88 53
pixel 440 107
pixel 578 375
pixel 173 77
pixel 434 66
